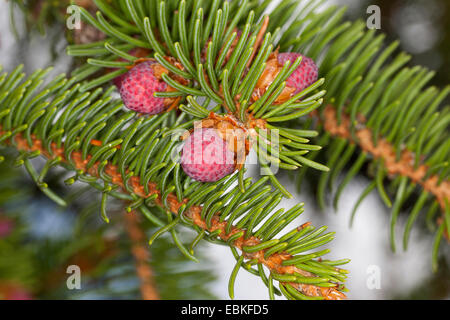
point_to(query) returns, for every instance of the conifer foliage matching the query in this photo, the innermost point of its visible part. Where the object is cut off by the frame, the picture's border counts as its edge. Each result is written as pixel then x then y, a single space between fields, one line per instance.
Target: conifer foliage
pixel 214 80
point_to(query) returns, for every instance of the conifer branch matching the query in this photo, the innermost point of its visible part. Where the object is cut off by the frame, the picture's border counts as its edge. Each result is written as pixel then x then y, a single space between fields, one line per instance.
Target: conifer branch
pixel 236 77
pixel 108 149
pixel 281 265
pixel 386 151
pixel 367 80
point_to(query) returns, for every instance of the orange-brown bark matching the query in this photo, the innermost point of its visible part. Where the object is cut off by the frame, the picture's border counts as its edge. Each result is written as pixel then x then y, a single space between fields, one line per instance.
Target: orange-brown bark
pixel 141 256
pixel 386 151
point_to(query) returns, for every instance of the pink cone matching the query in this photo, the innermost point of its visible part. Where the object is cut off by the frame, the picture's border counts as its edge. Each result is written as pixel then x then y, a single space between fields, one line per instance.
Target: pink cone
pixel 206 157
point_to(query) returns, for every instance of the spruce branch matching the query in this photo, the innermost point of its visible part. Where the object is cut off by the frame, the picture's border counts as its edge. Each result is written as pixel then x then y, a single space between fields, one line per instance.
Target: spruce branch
pixel 378 111
pixel 108 153
pixel 388 153
pixel 240 76
pixel 358 73
pixel 315 280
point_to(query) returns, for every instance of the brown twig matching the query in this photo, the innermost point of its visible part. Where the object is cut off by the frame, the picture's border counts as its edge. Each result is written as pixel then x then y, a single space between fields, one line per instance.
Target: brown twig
pixel 141 256
pixel 386 151
pixel 273 263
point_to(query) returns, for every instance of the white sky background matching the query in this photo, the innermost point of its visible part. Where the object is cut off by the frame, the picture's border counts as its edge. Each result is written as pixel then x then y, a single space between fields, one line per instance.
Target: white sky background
pixel 366 244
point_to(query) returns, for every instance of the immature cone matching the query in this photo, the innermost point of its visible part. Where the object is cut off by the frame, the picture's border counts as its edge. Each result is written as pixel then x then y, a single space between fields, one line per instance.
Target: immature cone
pixel 304 76
pixel 136 52
pixel 138 86
pixel 215 149
pixel 206 156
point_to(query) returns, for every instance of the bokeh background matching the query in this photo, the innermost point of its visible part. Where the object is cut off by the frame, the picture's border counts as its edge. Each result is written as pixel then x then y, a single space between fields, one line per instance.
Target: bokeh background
pixel 423 28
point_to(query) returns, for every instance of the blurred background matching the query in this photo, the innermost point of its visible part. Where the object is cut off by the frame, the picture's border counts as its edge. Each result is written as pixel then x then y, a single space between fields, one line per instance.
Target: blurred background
pixel 38 240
